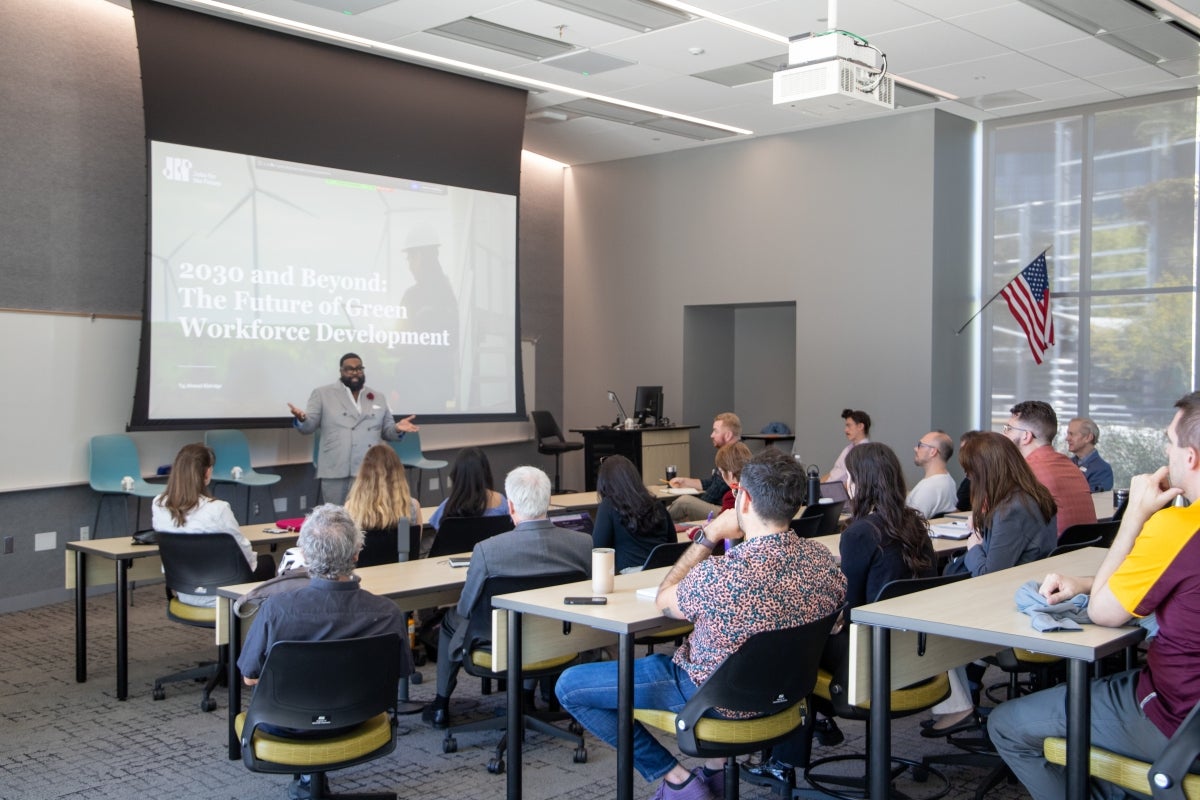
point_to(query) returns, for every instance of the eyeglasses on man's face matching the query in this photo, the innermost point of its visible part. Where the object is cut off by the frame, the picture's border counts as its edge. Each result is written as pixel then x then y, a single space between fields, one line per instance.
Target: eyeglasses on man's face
pixel 919 445
pixel 352 370
pixel 1007 429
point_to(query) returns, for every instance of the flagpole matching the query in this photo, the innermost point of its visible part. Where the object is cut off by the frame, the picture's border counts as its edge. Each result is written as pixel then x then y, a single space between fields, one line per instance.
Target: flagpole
pixel 993 298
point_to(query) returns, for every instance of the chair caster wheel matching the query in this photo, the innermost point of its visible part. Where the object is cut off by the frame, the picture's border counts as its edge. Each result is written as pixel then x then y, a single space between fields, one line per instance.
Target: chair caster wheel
pixel 208 704
pixel 575 728
pixel 416 677
pixel 581 755
pixel 496 766
pixel 159 693
pixel 450 745
pixel 418 659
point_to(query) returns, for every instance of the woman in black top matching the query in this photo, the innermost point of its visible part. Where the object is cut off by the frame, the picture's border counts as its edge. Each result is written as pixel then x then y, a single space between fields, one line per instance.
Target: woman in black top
pixel 628 519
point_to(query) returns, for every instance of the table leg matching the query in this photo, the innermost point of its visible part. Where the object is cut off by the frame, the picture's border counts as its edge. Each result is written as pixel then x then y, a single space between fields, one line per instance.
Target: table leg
pixel 880 744
pixel 516 725
pixel 233 649
pixel 122 629
pixel 1079 727
pixel 625 647
pixel 80 617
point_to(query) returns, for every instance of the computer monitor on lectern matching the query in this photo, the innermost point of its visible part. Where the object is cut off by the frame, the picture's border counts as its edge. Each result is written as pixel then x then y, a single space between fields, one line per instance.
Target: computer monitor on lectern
pixel 647 405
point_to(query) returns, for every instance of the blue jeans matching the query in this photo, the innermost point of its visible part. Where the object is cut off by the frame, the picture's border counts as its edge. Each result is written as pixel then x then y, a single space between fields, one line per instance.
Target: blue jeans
pixel 588 692
pixel 1018 726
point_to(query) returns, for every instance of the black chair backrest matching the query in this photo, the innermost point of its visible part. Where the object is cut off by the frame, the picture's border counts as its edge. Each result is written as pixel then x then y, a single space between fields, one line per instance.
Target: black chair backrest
pixel 324 686
pixel 909 585
pixel 479 623
pixel 383 546
pixel 828 513
pixel 665 555
pixel 545 426
pixel 1072 547
pixel 1089 532
pixel 1169 769
pixel 461 534
pixel 806 527
pixel 198 563
pixel 770 672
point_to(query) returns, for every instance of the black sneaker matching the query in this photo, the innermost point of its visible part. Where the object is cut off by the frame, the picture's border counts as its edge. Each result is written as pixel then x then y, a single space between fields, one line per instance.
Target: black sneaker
pixel 773 773
pixel 827 732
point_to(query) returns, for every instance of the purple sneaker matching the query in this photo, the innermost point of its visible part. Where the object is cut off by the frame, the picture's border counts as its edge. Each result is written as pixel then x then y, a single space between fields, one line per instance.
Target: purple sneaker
pixel 694 789
pixel 714 781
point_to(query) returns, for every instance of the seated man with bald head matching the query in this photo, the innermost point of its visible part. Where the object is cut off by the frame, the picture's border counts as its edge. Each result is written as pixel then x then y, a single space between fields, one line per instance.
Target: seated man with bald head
pixel 936 493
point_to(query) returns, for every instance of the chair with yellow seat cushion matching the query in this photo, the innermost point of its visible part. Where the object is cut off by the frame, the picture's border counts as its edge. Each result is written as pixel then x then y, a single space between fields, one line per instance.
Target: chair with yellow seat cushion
pixel 1167 778
pixel 322 706
pixel 198 563
pixel 477 661
pixel 756 698
pixel 830 697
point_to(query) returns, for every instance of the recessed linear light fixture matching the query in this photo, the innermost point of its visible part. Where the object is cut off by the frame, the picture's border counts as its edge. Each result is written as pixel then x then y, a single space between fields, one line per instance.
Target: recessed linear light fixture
pixel 637 15
pixel 482 33
pixel 1154 31
pixel 406 54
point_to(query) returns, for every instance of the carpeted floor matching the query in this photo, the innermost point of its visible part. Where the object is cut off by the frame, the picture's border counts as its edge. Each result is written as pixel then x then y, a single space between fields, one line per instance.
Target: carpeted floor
pixel 62 739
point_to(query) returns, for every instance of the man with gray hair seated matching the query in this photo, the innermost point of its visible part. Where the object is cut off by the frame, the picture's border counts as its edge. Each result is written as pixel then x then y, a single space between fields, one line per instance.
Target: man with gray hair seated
pixel 331 606
pixel 1082 436
pixel 534 547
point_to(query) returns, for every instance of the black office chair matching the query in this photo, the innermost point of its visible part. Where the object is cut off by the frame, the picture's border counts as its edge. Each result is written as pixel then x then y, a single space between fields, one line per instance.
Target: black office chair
pixel 477 661
pixel 383 546
pixel 1089 532
pixel 769 676
pixel 345 689
pixel 828 513
pixel 806 527
pixel 550 442
pixel 198 563
pixel 830 698
pixel 665 555
pixel 461 534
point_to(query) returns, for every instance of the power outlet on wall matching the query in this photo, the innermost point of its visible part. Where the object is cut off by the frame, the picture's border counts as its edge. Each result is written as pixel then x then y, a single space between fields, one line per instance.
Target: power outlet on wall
pixel 85 532
pixel 254 510
pixel 8 545
pixel 303 502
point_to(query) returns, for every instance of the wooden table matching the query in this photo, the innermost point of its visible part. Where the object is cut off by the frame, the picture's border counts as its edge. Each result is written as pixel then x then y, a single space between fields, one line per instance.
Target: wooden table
pixel 411 584
pixel 981 614
pixel 625 615
pixel 87 564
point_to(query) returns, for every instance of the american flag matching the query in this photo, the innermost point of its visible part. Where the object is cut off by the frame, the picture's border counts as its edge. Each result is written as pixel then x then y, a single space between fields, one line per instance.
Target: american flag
pixel 1028 298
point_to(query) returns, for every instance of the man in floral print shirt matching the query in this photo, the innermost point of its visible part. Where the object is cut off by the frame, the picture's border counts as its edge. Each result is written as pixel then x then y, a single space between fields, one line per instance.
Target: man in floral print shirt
pixel 772 580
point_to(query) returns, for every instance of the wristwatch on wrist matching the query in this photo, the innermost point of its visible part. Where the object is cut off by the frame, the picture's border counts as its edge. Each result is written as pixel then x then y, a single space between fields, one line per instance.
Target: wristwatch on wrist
pixel 703 540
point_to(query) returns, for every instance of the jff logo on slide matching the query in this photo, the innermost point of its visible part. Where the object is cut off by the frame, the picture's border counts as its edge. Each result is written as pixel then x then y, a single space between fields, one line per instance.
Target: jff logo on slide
pixel 177 169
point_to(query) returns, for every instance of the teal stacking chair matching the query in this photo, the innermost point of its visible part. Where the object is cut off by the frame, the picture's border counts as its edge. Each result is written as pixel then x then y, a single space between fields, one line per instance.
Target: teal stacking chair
pixel 111 458
pixel 409 450
pixel 232 450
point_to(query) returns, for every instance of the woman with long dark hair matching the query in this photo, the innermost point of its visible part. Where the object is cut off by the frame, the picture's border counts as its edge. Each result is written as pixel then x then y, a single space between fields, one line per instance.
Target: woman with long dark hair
pixel 188 507
pixel 1013 521
pixel 629 518
pixel 472 489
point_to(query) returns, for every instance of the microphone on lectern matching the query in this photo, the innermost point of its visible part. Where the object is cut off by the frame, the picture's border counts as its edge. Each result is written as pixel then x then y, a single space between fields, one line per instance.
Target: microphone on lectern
pixel 612 398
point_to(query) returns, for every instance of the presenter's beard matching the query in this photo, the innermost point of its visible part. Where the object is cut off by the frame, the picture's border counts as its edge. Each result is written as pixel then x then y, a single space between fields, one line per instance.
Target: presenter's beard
pixel 354 383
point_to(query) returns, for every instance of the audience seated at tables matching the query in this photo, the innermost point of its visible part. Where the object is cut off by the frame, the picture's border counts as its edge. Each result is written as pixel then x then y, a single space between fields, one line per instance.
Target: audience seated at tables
pixel 629 518
pixel 1012 522
pixel 858 429
pixel 188 507
pixel 331 606
pixel 1152 567
pixel 785 581
pixel 379 500
pixel 534 547
pixel 727 427
pixel 1032 428
pixel 729 461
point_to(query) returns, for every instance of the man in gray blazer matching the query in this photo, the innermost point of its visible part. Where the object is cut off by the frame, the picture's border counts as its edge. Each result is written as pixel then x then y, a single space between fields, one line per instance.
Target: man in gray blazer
pixel 534 547
pixel 351 418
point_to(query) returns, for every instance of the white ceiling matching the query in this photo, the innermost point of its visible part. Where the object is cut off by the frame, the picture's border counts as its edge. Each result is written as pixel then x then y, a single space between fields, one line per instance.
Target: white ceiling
pixel 1002 55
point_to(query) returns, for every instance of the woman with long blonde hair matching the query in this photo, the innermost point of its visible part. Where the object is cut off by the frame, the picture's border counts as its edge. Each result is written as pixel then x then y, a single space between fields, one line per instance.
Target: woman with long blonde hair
pixel 379 501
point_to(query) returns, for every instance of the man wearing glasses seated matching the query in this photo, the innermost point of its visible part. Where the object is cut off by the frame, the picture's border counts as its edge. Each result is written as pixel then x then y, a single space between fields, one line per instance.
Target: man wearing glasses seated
pixel 936 493
pixel 1032 428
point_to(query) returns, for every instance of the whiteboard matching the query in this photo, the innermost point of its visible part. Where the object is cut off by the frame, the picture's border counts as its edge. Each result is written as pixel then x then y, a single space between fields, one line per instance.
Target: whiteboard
pixel 70 377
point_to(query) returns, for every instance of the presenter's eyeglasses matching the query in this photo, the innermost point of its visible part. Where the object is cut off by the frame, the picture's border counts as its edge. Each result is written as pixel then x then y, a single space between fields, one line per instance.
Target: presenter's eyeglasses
pixel 359 368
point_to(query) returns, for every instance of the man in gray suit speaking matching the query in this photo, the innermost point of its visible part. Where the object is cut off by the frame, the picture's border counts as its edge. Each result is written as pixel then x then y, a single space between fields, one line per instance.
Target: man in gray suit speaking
pixel 351 418
pixel 534 547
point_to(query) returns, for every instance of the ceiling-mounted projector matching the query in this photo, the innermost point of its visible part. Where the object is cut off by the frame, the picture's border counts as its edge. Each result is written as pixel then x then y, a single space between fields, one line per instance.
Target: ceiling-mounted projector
pixel 832 71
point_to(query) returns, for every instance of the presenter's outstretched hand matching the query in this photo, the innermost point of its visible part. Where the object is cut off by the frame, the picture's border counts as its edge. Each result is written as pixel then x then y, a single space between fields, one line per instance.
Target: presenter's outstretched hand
pixel 405 425
pixel 297 413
